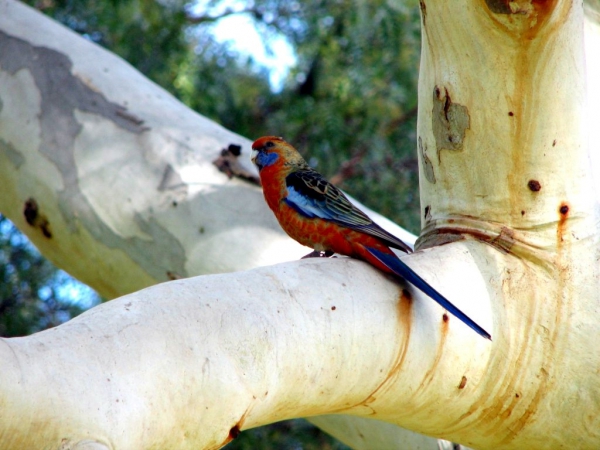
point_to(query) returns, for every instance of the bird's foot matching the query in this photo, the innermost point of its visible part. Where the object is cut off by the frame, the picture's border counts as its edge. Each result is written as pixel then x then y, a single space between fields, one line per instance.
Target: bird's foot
pixel 318 254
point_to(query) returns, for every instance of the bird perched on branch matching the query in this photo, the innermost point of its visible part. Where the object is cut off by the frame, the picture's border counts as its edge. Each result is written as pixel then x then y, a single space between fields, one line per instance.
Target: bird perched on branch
pixel 315 213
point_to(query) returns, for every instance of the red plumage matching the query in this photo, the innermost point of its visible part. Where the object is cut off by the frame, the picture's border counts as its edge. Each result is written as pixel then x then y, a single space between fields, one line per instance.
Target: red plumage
pixel 317 214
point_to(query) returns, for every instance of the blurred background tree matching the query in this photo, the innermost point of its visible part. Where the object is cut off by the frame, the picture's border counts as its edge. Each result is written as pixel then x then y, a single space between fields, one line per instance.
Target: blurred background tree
pixel 344 93
pixel 34 295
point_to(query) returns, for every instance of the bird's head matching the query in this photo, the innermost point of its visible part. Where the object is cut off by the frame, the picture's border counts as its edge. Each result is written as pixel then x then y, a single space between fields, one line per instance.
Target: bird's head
pixel 269 150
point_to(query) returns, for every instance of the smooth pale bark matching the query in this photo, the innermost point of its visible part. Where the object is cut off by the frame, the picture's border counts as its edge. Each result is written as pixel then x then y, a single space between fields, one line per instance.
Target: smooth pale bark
pixel 121 170
pixel 592 66
pixel 183 364
pixel 504 143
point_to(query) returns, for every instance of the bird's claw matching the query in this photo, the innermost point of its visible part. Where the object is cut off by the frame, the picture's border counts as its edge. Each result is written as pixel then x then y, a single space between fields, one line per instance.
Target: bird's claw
pixel 318 254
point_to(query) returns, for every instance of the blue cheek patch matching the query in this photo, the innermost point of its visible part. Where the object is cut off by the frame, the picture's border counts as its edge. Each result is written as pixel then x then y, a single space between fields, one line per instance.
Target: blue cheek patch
pixel 266 159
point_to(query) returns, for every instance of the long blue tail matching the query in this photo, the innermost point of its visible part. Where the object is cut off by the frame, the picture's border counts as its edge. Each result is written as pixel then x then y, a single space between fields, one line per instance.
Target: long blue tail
pixel 402 270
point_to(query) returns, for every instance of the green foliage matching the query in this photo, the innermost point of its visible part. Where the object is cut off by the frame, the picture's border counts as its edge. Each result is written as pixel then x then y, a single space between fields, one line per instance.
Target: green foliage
pixel 150 35
pixel 34 295
pixel 295 434
pixel 350 105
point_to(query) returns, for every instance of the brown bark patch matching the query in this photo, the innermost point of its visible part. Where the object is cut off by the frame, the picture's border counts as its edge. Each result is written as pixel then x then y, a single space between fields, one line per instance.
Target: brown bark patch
pixel 234 432
pixel 563 213
pixel 228 163
pixel 525 18
pixel 426 162
pixel 534 185
pixel 35 218
pixel 523 7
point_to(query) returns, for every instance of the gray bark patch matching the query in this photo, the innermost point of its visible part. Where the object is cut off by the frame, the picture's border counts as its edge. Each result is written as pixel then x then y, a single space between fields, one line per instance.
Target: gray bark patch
pixel 11 153
pixel 62 93
pixel 449 121
pixel 426 162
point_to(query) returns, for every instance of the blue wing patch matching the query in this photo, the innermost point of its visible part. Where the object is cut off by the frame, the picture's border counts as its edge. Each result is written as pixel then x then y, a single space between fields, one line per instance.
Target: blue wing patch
pixel 313 196
pixel 308 207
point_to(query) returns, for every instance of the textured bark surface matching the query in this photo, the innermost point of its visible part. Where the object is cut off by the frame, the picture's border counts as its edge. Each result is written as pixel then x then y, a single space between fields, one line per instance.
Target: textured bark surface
pixel 121 174
pixel 514 171
pixel 120 171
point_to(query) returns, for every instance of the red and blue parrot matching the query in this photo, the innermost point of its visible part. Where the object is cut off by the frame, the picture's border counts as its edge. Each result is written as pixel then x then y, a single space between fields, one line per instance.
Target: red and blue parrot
pixel 315 213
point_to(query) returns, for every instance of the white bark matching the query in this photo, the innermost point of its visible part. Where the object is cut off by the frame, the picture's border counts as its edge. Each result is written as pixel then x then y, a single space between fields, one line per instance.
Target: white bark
pixel 121 169
pixel 181 364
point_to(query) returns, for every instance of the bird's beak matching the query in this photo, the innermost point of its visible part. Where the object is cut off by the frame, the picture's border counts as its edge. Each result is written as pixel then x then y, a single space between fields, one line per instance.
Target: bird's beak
pixel 253 155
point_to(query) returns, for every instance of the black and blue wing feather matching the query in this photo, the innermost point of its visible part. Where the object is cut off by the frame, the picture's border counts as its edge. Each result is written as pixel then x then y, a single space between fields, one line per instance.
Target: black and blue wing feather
pixel 313 196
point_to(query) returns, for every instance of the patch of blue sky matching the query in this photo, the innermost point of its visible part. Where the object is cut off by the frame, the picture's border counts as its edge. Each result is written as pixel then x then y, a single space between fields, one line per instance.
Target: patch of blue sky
pixel 240 31
pixel 72 291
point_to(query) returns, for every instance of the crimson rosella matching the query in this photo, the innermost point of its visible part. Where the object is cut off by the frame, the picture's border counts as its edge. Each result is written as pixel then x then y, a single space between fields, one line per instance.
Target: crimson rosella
pixel 317 214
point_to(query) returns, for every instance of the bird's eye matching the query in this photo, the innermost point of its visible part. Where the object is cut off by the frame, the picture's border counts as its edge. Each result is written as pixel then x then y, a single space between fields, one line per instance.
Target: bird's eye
pixel 269 144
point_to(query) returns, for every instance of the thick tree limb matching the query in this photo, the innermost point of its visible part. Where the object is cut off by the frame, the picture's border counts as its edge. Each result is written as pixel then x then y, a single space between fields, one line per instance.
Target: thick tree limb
pixel 181 364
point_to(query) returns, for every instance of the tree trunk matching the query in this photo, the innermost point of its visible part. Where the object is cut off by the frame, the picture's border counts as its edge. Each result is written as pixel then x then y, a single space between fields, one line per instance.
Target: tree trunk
pixel 113 180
